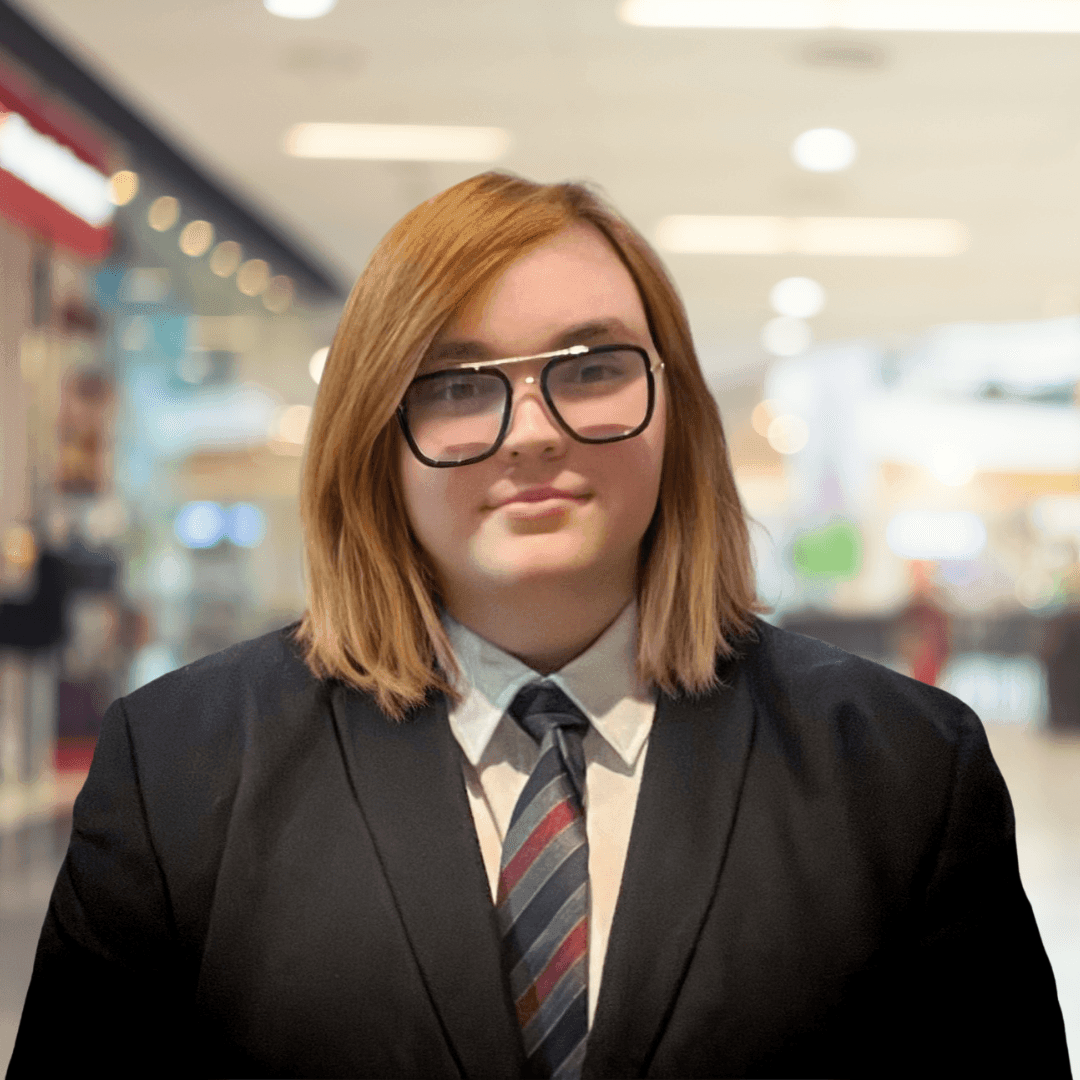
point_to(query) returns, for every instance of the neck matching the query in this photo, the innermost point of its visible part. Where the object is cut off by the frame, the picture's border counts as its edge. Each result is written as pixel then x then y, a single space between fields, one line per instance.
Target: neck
pixel 544 625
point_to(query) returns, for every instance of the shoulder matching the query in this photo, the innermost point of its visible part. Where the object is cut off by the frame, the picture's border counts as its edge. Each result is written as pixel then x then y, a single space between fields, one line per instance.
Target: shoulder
pixel 786 665
pixel 261 685
pixel 843 703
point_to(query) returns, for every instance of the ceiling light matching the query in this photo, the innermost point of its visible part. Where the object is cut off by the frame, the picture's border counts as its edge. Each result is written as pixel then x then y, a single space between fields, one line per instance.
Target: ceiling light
pixel 226 258
pixel 196 238
pixel 923 534
pixel 785 336
pixel 824 150
pixel 54 170
pixel 164 213
pixel 123 187
pixel 299 9
pixel 317 363
pixel 396 142
pixel 799 297
pixel 1000 16
pixel 899 237
pixel 278 296
pixel 253 277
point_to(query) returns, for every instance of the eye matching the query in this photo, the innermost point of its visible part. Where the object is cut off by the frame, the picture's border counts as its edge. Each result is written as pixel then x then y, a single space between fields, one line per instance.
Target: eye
pixel 455 393
pixel 597 371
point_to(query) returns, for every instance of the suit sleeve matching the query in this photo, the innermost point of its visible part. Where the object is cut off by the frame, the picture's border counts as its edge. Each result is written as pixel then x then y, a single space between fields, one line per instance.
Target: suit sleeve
pixel 982 996
pixel 109 986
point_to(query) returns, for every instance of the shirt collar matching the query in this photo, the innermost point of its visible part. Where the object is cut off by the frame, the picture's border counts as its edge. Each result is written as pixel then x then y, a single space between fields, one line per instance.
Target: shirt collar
pixel 602 682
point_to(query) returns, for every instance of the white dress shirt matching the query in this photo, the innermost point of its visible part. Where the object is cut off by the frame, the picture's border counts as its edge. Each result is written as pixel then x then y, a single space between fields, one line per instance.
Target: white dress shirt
pixel 500 756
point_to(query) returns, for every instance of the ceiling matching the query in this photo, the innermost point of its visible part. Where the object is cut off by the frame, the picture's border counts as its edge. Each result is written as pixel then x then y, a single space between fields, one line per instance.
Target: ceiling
pixel 984 128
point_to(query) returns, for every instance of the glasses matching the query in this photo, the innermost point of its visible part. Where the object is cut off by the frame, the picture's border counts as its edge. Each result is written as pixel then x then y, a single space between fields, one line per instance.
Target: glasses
pixel 461 415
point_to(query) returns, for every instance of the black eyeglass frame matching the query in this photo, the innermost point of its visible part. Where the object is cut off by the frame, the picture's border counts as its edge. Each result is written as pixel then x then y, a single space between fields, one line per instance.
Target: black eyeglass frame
pixel 554 359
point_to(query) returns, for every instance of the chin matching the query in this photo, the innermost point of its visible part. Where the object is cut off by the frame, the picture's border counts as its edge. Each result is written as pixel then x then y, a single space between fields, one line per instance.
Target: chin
pixel 546 558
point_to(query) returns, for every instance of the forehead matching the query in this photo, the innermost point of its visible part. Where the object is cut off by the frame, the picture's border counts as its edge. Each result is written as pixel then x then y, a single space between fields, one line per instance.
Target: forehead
pixel 572 288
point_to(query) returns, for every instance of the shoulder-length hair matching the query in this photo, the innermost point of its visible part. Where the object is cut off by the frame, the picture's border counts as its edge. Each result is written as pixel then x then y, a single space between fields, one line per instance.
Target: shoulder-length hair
pixel 373 600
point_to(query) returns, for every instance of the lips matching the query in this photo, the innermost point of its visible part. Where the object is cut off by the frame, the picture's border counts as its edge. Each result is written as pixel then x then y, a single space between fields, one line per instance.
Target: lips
pixel 535 495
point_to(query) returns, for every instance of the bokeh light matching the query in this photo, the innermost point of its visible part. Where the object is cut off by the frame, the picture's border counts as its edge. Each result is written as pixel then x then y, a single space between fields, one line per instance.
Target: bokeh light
pixel 199 524
pixel 196 238
pixel 225 260
pixel 123 186
pixel 824 150
pixel 164 213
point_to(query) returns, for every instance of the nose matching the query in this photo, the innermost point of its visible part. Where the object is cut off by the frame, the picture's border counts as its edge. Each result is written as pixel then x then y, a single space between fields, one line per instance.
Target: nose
pixel 533 430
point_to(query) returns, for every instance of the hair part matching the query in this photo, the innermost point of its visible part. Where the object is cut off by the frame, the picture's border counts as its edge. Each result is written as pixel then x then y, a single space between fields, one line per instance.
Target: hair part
pixel 373 600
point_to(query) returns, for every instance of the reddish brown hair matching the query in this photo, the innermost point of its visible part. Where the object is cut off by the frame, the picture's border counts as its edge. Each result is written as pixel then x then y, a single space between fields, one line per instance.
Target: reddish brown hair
pixel 373 603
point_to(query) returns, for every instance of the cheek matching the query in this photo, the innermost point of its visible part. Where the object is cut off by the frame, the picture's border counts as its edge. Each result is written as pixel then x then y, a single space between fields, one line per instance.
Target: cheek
pixel 438 503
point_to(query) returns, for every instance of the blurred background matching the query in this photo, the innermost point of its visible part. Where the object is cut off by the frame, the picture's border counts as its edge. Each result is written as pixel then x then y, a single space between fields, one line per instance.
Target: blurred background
pixel 869 206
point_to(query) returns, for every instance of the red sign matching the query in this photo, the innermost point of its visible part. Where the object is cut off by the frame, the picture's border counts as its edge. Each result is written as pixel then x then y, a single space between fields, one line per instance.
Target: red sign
pixel 31 208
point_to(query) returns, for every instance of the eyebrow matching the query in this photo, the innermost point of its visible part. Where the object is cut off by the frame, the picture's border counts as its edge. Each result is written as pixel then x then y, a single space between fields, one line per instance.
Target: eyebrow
pixel 582 334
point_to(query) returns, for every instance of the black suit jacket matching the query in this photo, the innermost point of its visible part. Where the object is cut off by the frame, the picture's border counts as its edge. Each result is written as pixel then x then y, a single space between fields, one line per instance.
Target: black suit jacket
pixel 267 877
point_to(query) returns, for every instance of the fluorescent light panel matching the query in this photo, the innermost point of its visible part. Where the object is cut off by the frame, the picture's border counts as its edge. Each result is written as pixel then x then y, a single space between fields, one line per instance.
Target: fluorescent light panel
pixel 54 170
pixel 396 142
pixel 974 16
pixel 896 237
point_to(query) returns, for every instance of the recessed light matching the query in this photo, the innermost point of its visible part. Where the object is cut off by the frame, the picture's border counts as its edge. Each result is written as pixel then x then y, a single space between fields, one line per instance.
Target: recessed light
pixel 196 238
pixel 396 142
pixel 729 235
pixel 973 16
pixel 799 297
pixel 299 9
pixel 824 150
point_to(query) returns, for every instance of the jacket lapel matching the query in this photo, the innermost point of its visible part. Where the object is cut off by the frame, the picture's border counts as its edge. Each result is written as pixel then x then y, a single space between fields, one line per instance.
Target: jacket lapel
pixel 698 750
pixel 408 781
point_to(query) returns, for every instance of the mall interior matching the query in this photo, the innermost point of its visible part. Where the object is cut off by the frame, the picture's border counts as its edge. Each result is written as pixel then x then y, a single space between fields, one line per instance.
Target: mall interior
pixel 868 206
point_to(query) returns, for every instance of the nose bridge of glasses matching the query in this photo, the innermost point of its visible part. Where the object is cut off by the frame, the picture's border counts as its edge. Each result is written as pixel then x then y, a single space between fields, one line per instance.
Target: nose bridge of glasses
pixel 527 398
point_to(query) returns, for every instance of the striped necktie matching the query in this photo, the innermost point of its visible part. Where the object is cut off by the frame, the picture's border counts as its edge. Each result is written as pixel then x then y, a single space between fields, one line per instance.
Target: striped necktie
pixel 542 906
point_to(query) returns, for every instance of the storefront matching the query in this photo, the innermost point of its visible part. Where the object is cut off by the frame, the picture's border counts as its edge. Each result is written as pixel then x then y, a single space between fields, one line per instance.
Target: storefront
pixel 155 333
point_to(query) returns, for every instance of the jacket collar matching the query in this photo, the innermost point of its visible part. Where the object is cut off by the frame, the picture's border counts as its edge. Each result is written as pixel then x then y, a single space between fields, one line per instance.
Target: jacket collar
pixel 407 778
pixel 408 783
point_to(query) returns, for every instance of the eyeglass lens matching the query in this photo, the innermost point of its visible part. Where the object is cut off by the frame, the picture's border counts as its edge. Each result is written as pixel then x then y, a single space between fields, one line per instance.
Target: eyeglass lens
pixel 457 415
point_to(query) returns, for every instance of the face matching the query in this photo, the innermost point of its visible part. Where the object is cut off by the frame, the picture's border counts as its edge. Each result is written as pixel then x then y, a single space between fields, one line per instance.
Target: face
pixel 483 525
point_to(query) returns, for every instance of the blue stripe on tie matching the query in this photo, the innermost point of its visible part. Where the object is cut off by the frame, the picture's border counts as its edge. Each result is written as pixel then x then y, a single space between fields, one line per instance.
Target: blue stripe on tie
pixel 544 921
pixel 547 767
pixel 548 901
pixel 546 864
pixel 531 814
pixel 564 1037
pixel 535 951
pixel 556 1004
pixel 570 1068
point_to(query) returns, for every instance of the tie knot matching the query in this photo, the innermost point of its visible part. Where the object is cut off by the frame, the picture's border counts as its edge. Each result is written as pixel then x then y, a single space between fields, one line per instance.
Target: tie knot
pixel 542 707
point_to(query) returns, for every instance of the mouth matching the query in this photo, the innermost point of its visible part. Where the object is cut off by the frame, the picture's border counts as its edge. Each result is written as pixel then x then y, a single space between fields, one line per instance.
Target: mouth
pixel 536 496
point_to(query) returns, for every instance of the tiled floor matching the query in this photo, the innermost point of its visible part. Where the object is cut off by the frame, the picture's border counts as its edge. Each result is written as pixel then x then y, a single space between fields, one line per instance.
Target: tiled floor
pixel 1043 774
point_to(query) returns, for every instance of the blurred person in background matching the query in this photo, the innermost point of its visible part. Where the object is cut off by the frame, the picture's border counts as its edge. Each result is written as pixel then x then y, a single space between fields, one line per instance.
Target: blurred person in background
pixel 530 790
pixel 922 629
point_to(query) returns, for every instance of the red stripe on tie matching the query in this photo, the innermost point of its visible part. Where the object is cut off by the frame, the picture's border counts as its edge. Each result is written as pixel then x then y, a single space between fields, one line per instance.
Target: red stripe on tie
pixel 568 953
pixel 557 819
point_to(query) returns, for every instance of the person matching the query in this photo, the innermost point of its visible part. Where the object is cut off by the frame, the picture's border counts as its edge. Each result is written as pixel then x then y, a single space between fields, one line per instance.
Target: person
pixel 531 790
